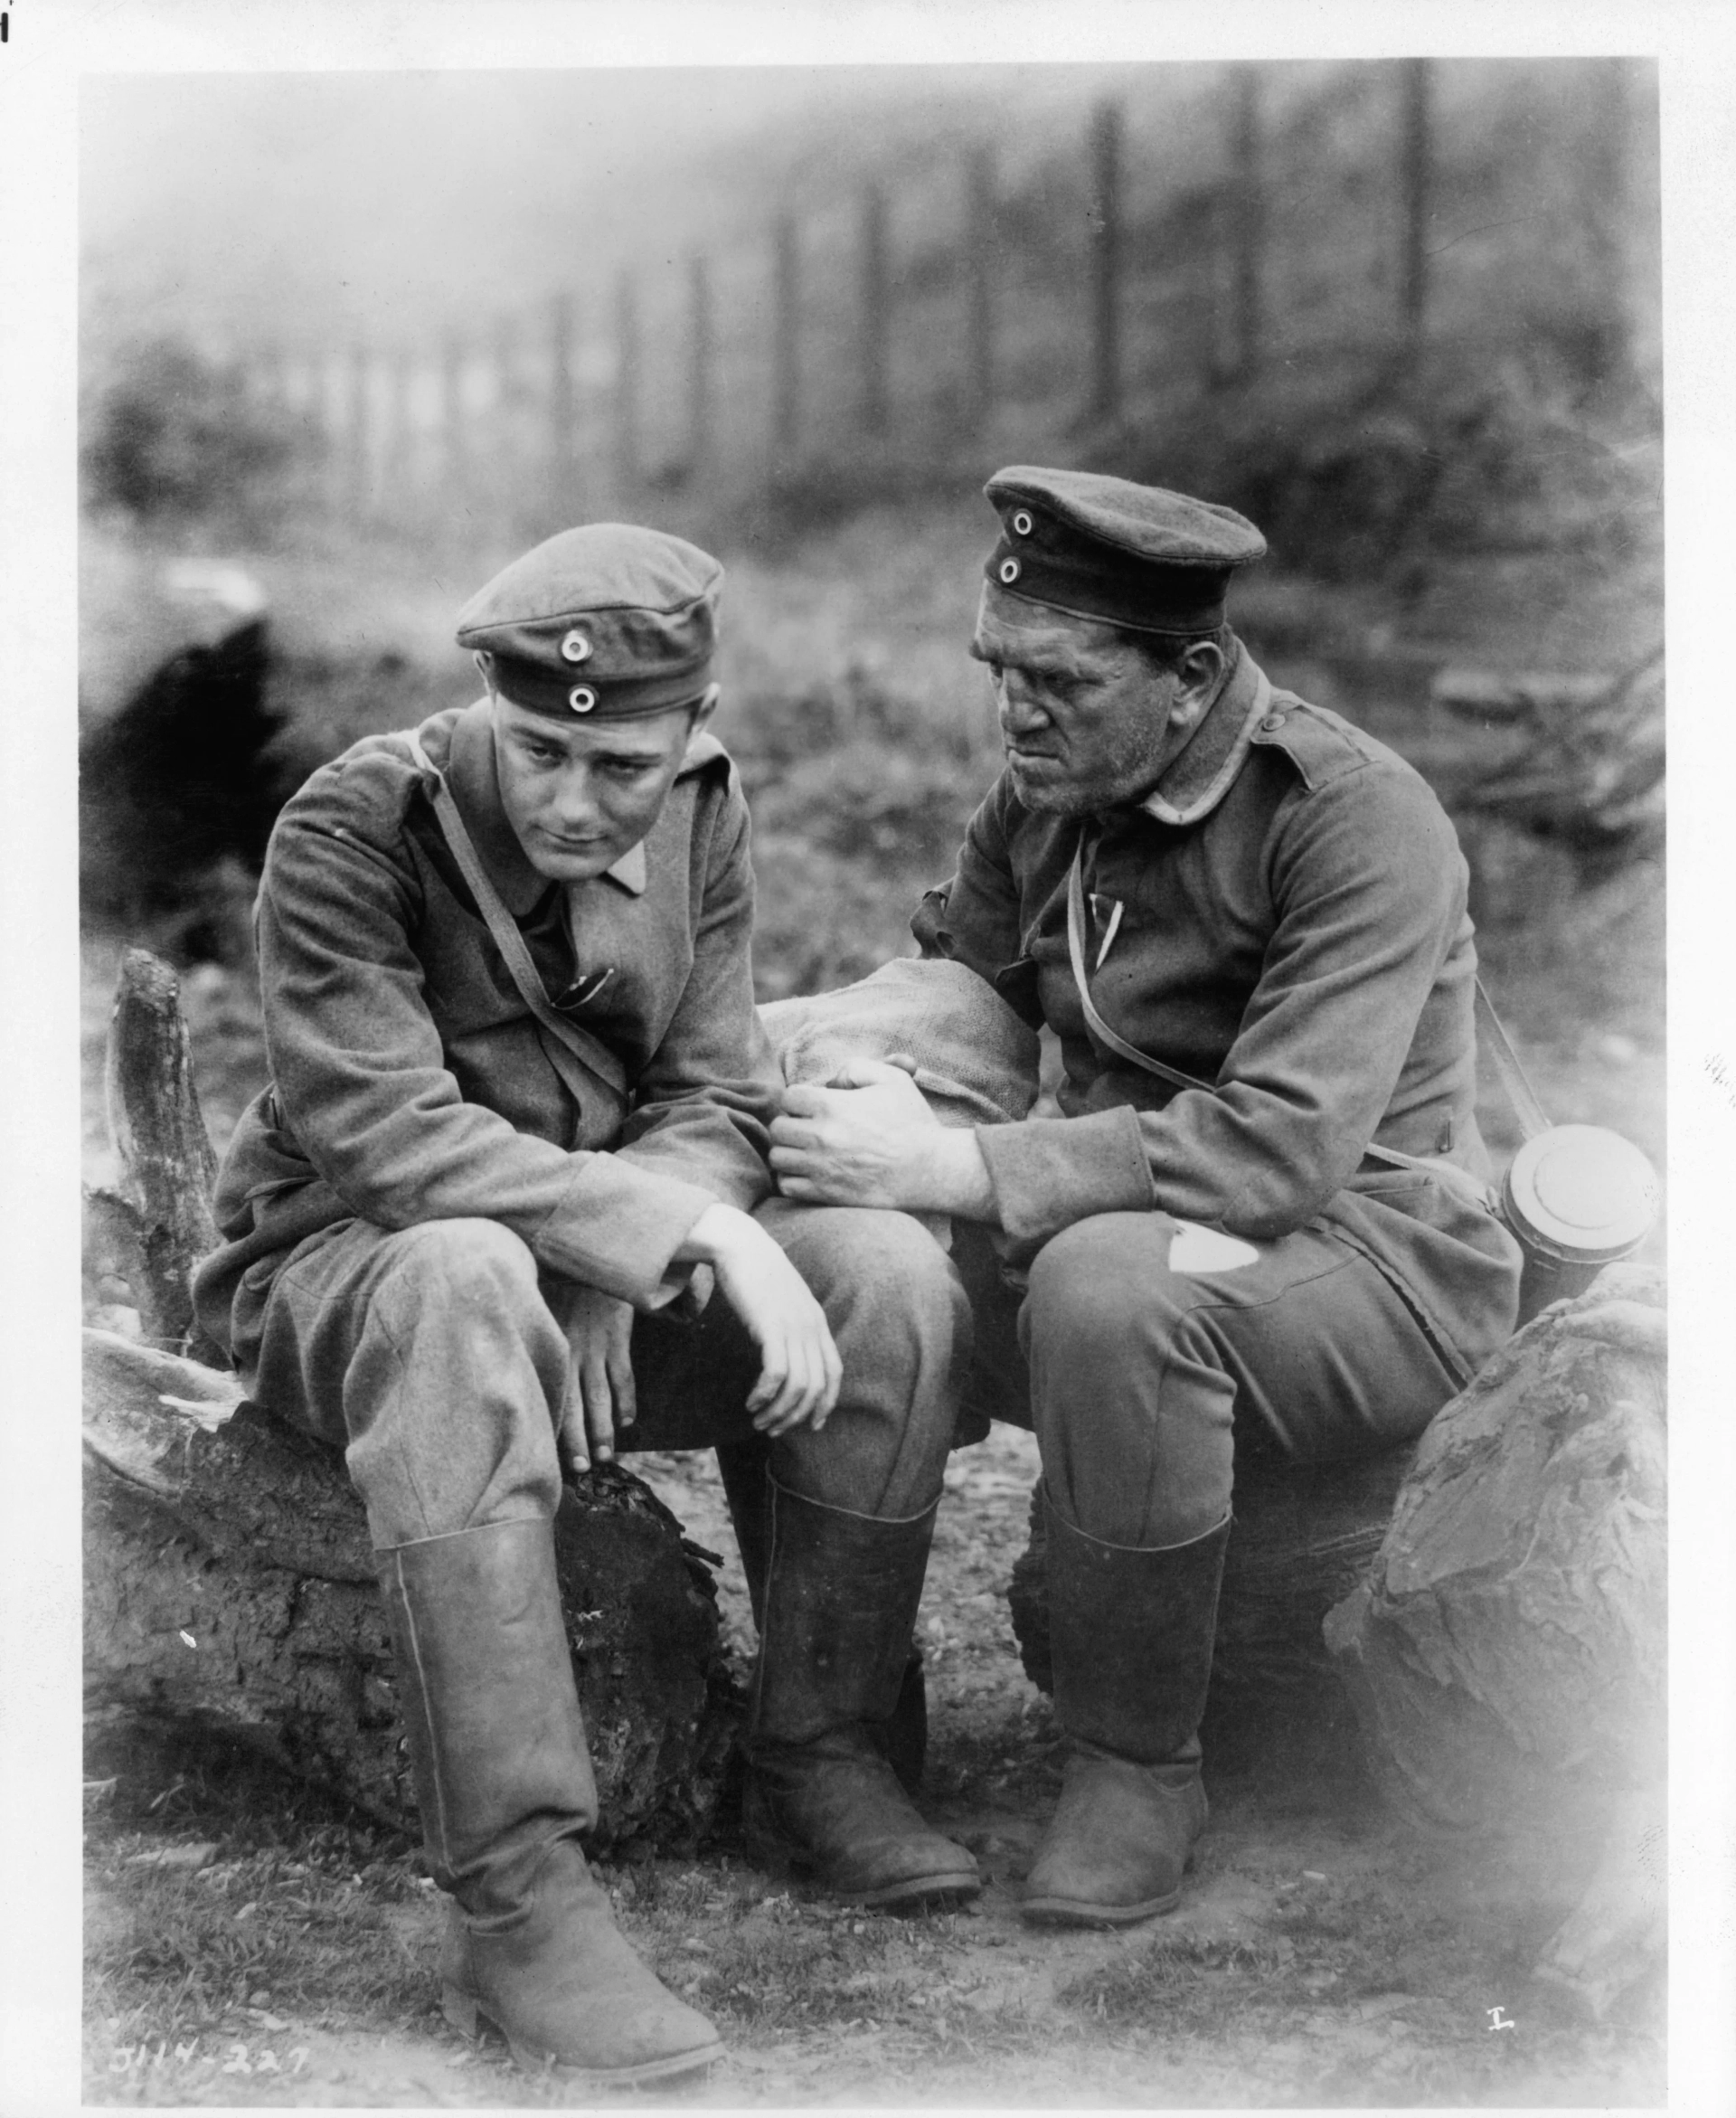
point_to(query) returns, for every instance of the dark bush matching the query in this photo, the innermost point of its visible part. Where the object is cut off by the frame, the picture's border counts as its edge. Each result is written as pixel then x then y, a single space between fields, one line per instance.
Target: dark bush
pixel 168 434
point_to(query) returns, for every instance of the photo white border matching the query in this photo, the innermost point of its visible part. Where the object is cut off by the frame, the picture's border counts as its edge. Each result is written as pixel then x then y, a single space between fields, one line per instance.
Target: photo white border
pixel 51 44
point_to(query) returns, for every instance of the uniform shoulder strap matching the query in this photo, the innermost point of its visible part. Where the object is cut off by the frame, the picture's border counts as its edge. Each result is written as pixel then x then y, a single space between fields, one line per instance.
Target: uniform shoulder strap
pixel 1526 1107
pixel 1119 1045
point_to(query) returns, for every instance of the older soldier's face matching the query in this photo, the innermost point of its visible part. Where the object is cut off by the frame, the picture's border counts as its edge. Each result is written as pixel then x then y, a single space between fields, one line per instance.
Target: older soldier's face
pixel 579 794
pixel 1086 720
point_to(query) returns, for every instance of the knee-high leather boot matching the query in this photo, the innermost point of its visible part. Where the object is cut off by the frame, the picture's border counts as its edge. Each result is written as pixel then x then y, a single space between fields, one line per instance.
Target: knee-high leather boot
pixel 745 1470
pixel 1131 1635
pixel 503 1776
pixel 841 1597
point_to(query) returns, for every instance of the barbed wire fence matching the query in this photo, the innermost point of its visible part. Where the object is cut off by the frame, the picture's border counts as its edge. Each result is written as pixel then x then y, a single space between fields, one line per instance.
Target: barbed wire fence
pixel 895 335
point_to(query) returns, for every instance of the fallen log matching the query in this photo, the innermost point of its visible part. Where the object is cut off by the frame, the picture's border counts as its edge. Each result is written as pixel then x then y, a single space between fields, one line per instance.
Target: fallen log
pixel 229 1588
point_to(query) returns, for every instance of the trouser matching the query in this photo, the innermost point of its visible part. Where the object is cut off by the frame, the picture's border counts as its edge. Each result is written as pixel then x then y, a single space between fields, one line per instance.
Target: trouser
pixel 432 1356
pixel 1143 1383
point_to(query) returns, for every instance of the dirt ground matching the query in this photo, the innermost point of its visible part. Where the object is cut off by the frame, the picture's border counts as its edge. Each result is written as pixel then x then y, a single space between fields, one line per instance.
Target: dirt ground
pixel 247 1944
pixel 248 1948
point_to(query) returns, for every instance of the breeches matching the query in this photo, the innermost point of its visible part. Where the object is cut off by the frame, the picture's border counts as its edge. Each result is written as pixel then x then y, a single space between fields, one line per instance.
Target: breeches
pixel 1142 1382
pixel 432 1357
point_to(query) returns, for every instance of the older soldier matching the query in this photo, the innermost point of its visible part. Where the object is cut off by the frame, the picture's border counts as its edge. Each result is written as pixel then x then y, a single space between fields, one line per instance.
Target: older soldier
pixel 1258 1221
pixel 516 1129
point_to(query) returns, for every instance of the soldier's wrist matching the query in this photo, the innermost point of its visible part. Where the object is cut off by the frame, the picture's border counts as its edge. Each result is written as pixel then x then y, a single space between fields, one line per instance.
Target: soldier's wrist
pixel 960 1179
pixel 719 1229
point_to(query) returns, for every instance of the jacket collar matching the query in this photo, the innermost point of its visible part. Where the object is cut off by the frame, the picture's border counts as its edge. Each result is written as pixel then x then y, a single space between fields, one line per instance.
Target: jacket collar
pixel 1196 781
pixel 476 786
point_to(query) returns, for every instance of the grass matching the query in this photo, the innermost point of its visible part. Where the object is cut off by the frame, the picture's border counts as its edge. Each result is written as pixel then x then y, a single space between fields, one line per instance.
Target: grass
pixel 240 1922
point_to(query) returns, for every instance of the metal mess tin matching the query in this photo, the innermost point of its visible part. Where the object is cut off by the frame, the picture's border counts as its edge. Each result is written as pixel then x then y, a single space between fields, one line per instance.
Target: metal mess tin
pixel 1577 1197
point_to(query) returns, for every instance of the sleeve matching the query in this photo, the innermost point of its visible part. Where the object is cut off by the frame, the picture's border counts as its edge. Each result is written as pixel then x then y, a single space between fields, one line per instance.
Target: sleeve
pixel 359 1074
pixel 703 1106
pixel 1369 891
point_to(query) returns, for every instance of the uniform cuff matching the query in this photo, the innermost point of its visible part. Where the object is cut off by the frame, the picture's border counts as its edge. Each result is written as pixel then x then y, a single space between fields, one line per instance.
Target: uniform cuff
pixel 617 1228
pixel 1050 1172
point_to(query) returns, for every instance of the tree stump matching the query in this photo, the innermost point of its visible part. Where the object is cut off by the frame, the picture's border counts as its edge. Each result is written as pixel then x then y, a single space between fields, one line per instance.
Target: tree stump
pixel 228 1586
pixel 153 1230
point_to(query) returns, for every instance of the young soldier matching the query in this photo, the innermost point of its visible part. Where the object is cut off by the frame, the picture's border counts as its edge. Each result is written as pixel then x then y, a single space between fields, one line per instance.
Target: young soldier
pixel 515 1131
pixel 1245 922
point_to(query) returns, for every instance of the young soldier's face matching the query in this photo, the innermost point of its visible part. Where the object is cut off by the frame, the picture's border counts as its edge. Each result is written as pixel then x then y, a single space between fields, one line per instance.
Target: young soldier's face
pixel 579 794
pixel 1087 722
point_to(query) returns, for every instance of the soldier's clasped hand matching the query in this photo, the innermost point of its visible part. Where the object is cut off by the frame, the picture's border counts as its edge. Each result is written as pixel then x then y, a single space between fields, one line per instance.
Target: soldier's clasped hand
pixel 869 1139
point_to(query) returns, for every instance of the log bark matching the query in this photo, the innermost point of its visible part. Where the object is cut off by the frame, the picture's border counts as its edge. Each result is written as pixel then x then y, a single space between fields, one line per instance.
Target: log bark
pixel 228 1587
pixel 230 1590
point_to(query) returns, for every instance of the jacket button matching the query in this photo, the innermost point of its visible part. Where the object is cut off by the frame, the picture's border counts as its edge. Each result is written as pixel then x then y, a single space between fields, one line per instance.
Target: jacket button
pixel 1272 722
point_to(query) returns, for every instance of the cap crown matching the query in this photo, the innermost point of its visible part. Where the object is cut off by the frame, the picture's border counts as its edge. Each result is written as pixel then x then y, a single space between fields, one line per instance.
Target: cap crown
pixel 1106 548
pixel 609 619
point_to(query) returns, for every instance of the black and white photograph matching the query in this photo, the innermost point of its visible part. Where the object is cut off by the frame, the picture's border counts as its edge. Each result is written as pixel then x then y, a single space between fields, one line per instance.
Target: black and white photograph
pixel 851 849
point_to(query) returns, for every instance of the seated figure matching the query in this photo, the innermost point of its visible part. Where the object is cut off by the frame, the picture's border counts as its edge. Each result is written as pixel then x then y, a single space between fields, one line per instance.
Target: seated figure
pixel 503 1211
pixel 1260 1217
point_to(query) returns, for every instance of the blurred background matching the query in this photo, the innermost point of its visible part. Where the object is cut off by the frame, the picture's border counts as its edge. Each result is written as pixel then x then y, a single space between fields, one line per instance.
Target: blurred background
pixel 350 342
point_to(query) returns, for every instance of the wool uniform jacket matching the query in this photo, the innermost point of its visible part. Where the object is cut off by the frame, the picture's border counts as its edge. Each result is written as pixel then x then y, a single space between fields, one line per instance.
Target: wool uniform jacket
pixel 409 1081
pixel 1284 918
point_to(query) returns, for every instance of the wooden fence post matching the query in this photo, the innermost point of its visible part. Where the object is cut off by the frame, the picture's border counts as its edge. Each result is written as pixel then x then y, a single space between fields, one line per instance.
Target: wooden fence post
pixel 329 380
pixel 786 329
pixel 627 382
pixel 400 442
pixel 263 378
pixel 454 440
pixel 1417 151
pixel 1105 223
pixel 980 282
pixel 702 353
pixel 1250 224
pixel 873 306
pixel 561 402
pixel 359 434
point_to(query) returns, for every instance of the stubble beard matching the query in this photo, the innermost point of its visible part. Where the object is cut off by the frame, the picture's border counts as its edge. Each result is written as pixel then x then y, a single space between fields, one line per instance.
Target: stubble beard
pixel 1132 768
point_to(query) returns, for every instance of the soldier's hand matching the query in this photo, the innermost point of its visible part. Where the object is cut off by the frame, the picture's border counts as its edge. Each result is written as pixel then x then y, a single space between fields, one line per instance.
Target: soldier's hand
pixel 869 1139
pixel 800 1373
pixel 599 1335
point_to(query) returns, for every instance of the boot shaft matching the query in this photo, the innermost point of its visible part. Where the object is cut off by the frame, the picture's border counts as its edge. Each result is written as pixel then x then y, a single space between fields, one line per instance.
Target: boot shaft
pixel 840 1603
pixel 1131 1633
pixel 491 1715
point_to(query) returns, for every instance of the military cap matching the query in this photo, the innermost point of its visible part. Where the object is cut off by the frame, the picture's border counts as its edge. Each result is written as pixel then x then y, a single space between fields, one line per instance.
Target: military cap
pixel 1105 548
pixel 607 619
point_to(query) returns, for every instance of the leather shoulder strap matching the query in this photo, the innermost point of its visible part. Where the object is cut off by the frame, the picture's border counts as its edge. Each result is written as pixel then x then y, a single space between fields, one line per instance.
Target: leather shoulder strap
pixel 1119 1045
pixel 1526 1107
pixel 592 1054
